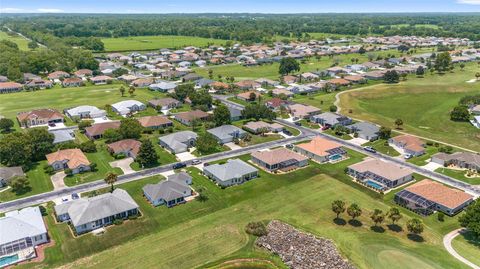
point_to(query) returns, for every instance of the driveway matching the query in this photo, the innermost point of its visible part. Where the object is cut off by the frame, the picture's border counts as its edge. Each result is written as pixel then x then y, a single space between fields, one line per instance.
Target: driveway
pixel 447 243
pixel 431 166
pixel 100 120
pixel 233 146
pixel 57 180
pixel 124 164
pixel 358 141
pixel 186 156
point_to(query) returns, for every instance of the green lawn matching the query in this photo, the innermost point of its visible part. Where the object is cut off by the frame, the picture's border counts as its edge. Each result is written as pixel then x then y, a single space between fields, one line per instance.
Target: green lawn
pixel 20 41
pixel 458 174
pixel 424 159
pixel 39 182
pixel 137 43
pixel 344 136
pixel 380 146
pixel 198 234
pixel 423 104
pixel 270 71
pixel 467 246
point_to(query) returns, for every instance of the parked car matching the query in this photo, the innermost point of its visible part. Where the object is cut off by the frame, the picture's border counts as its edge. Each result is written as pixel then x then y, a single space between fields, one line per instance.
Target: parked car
pixel 51 124
pixel 287 132
pixel 289 146
pixel 407 156
pixel 326 127
pixel 196 161
pixel 298 123
pixel 75 196
pixel 370 149
pixel 179 165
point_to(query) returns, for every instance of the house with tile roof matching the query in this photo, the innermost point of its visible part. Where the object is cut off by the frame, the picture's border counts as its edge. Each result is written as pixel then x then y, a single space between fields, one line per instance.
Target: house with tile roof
pixel 88 214
pixel 7 173
pixel 330 119
pixel 233 172
pixel 322 150
pixel 255 127
pixel 155 122
pixel 127 147
pixel 164 103
pixel 280 159
pixel 380 175
pixel 301 111
pixel 461 160
pixel 73 159
pixel 187 117
pixel 85 112
pixel 97 130
pixel 427 196
pixel 128 106
pixel 410 144
pixel 39 117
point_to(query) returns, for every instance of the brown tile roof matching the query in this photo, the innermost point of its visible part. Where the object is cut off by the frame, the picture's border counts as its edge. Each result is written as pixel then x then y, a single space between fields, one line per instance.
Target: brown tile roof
pixel 72 80
pixel 153 121
pixel 100 78
pixel 58 74
pixel 275 102
pixel 354 78
pixel 163 101
pixel 246 95
pixel 276 156
pixel 45 113
pixel 190 115
pixel 219 85
pixel 10 85
pixel 319 146
pixel 378 167
pixel 247 83
pixel 74 157
pixel 339 81
pixel 125 145
pixel 99 128
pixel 83 72
pixel 411 142
pixel 440 194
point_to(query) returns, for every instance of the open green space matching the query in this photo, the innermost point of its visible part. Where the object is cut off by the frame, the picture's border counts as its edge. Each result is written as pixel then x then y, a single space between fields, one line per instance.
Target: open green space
pixel 20 41
pixel 381 145
pixel 198 234
pixel 468 247
pixel 425 158
pixel 458 174
pixel 240 72
pixel 424 105
pixel 137 43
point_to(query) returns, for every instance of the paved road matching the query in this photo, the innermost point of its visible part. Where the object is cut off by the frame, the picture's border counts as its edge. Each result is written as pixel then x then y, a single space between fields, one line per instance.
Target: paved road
pixel 95 185
pixel 447 243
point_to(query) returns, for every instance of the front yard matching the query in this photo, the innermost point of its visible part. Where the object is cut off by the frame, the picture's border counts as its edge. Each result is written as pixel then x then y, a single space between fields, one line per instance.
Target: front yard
pixel 382 146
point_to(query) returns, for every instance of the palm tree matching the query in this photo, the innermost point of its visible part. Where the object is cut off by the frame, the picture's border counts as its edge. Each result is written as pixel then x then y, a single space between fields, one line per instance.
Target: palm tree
pixel 415 226
pixel 394 214
pixel 111 178
pixel 338 206
pixel 354 211
pixel 477 75
pixel 398 122
pixel 122 90
pixel 131 90
pixel 377 216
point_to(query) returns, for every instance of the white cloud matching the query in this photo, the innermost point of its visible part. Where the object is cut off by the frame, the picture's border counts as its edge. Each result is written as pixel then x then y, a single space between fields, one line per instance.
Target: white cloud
pixel 10 10
pixel 470 2
pixel 49 10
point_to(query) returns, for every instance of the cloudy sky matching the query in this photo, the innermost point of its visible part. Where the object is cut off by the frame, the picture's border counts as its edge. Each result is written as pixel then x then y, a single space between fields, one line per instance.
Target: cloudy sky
pixel 229 6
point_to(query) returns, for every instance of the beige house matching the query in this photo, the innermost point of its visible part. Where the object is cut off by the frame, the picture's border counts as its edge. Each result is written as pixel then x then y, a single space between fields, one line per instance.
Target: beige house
pixel 73 159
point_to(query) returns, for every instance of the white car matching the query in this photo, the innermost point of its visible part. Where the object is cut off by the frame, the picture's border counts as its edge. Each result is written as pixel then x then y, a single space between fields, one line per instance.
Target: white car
pixel 407 156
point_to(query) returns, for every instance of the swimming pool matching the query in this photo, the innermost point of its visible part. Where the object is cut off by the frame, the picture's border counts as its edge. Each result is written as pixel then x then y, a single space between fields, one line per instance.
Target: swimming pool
pixel 4 261
pixel 374 185
pixel 335 157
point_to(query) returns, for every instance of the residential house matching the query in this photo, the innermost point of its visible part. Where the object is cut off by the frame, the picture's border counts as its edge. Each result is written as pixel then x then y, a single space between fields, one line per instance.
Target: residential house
pixel 7 173
pixel 427 196
pixel 374 75
pixel 380 175
pixel 155 122
pixel 281 91
pixel 301 89
pixel 57 75
pixel 189 116
pixel 72 82
pixel 280 159
pixel 365 130
pixel 163 86
pixel 191 77
pixel 248 85
pixel 88 214
pixel 85 112
pixel 99 80
pixel 265 82
pixel 39 117
pixel 227 133
pixel 355 79
pixel 142 82
pixel 308 76
pixel 97 130
pixel 178 142
pixel 21 229
pixel 321 150
pixel 127 147
pixel 235 113
pixel 167 192
pixel 301 111
pixel 38 83
pixel 462 160
pixel 128 106
pixel 256 127
pixel 62 135
pixel 180 177
pixel 289 79
pixel 275 103
pixel 83 73
pixel 333 71
pixel 330 119
pixel 233 172
pixel 164 103
pixel 9 87
pixel 335 83
pixel 73 159
pixel 246 96
pixel 410 144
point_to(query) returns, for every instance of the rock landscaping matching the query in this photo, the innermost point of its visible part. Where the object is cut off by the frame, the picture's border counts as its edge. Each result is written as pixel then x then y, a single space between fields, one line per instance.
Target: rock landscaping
pixel 300 250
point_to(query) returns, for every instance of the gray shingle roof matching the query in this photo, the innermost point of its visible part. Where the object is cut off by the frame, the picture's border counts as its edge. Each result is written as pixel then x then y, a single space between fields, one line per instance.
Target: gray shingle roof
pixel 9 172
pixel 16 225
pixel 176 141
pixel 180 177
pixel 166 190
pixel 366 128
pixel 84 211
pixel 226 131
pixel 233 168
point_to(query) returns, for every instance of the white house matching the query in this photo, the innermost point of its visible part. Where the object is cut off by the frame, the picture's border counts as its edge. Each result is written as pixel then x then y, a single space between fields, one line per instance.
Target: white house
pixel 128 106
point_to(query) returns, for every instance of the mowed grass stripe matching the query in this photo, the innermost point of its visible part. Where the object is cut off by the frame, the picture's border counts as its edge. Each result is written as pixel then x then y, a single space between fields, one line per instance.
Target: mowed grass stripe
pixel 138 43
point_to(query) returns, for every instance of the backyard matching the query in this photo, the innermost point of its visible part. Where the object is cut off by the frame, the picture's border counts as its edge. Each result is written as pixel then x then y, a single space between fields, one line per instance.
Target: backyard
pixel 198 234
pixel 423 104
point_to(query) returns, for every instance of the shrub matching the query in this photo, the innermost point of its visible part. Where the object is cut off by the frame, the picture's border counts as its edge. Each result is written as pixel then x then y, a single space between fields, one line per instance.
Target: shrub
pixel 48 169
pixel 256 228
pixel 119 156
pixel 117 221
pixel 441 216
pixel 68 171
pixel 43 210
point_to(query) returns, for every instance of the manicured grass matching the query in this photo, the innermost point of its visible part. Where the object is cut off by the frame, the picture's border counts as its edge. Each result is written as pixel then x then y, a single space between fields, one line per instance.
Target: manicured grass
pixel 200 233
pixel 458 174
pixel 20 41
pixel 332 132
pixel 39 182
pixel 467 246
pixel 425 158
pixel 102 158
pixel 321 100
pixel 423 104
pixel 309 124
pixel 137 43
pixel 61 98
pixel 381 146
pixel 270 71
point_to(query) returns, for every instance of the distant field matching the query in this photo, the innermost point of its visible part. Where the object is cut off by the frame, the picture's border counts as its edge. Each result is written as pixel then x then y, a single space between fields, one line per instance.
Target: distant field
pixel 157 42
pixel 240 72
pixel 20 41
pixel 423 104
pixel 431 26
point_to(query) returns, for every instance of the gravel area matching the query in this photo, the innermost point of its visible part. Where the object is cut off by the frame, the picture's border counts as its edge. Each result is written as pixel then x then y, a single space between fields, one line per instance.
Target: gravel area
pixel 300 250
